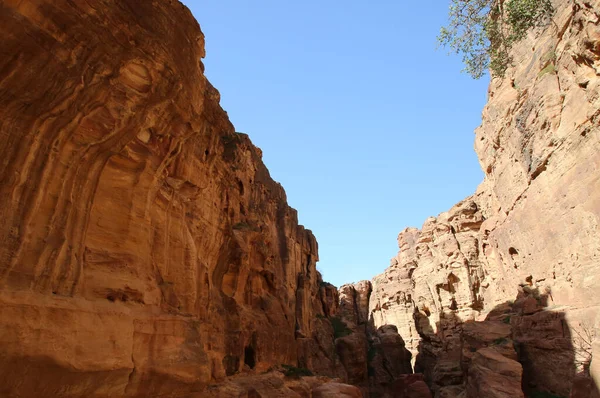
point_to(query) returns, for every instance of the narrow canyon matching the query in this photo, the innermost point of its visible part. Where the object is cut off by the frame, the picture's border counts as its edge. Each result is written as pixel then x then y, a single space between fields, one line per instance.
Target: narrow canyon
pixel 145 250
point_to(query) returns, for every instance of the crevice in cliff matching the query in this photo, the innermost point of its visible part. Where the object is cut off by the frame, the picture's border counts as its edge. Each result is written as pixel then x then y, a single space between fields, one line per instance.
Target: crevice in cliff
pixel 249 356
pixel 540 169
pixel 282 237
pixel 562 30
pixel 376 359
pixel 131 375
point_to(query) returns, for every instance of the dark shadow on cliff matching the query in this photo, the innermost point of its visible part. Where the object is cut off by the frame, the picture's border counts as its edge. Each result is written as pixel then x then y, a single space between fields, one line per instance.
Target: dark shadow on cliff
pixel 529 332
pixel 390 373
pixel 375 359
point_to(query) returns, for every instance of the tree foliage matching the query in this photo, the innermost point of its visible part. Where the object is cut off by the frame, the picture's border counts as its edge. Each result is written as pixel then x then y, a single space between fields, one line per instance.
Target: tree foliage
pixel 484 31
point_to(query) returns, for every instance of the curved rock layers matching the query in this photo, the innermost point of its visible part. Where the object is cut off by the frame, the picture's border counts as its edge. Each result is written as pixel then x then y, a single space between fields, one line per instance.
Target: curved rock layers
pixel 146 251
pixel 144 248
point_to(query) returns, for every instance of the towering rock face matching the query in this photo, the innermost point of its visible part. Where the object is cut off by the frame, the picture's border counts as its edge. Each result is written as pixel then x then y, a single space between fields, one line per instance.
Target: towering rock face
pixel 145 250
pixel 530 231
pixel 144 247
pixel 539 146
pixel 436 270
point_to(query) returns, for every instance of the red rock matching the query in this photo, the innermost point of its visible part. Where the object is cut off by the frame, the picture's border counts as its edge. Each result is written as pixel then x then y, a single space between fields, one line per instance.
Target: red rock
pixel 336 390
pixel 145 249
pixel 410 386
pixel 492 375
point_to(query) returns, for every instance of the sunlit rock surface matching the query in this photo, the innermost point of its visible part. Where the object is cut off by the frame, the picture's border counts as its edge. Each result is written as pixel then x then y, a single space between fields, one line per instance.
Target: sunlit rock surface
pixel 531 229
pixel 146 251
pixel 144 248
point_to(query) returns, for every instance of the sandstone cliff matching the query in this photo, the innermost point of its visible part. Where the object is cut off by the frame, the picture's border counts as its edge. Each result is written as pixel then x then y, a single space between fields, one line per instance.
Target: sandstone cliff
pixel 530 232
pixel 146 251
pixel 144 248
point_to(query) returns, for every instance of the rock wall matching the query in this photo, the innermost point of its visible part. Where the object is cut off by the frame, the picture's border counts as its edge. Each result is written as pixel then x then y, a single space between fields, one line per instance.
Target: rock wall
pixel 538 145
pixel 532 227
pixel 144 248
pixel 373 358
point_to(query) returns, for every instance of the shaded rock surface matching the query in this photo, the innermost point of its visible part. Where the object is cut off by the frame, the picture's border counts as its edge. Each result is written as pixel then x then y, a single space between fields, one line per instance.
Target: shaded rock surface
pixel 375 359
pixel 493 375
pixel 274 384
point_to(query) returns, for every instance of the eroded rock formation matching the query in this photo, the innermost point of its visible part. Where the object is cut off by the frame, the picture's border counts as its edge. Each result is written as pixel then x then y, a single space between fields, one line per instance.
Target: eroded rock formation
pixel 532 228
pixel 274 384
pixel 374 358
pixel 144 248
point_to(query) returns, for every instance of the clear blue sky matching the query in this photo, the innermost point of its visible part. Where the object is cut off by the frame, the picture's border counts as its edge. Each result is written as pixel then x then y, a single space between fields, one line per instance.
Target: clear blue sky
pixel 367 126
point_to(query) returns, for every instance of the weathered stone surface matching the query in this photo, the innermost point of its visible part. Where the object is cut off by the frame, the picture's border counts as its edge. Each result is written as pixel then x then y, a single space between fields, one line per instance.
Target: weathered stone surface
pixel 389 364
pixel 531 228
pixel 144 248
pixel 584 387
pixel 319 352
pixel 437 270
pixel 409 386
pixel 477 335
pixel 592 383
pixel 352 351
pixel 492 375
pixel 274 384
pixel 337 390
pixel 451 392
pixel 269 385
pixel 595 364
pixel 372 358
pixel 388 344
pixel 538 144
pixel 546 350
pixel 351 335
pixel 330 298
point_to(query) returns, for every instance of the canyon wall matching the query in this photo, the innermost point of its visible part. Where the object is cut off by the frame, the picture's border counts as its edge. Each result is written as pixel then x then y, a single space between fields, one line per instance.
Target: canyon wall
pixel 144 248
pixel 531 231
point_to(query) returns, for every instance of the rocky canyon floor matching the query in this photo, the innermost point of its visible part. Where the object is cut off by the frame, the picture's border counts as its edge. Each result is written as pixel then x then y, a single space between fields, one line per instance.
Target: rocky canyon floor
pixel 145 250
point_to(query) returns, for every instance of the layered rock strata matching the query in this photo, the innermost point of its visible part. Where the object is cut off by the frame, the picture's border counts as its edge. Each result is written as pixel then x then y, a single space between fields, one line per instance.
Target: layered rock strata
pixel 144 249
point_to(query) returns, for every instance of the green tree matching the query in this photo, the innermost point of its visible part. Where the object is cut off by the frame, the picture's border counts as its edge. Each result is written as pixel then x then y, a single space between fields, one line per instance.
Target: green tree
pixel 484 31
